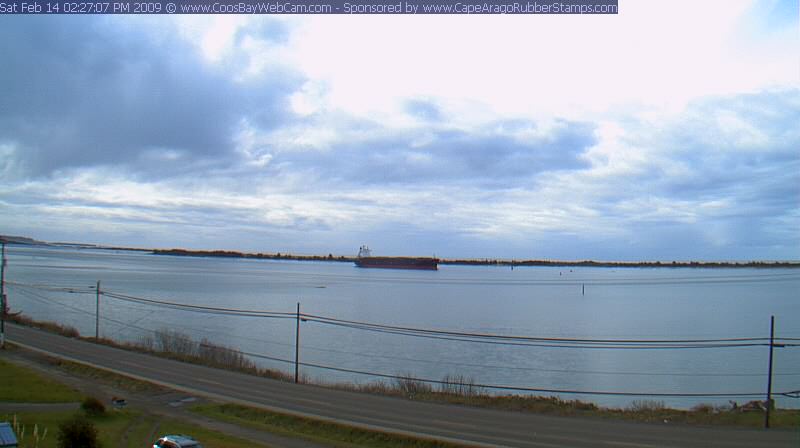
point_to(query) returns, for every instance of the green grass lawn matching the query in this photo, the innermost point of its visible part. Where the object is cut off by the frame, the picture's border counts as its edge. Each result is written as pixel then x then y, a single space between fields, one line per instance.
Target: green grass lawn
pixel 22 385
pixel 321 432
pixel 125 429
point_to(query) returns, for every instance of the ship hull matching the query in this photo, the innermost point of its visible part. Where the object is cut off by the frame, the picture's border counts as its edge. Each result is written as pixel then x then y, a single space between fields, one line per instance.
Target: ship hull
pixel 426 264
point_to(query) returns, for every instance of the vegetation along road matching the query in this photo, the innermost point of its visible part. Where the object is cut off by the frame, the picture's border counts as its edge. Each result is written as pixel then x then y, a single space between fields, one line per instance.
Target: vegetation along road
pixel 458 424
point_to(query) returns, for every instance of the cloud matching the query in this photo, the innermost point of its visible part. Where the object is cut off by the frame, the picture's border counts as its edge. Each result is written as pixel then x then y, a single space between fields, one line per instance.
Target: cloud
pixel 726 168
pixel 423 110
pixel 81 93
pixel 533 66
pixel 279 135
pixel 500 153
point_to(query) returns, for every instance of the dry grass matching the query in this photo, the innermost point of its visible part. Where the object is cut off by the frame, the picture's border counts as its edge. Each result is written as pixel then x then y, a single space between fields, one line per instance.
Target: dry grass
pixel 53 327
pixel 170 344
pixel 180 346
pixel 319 432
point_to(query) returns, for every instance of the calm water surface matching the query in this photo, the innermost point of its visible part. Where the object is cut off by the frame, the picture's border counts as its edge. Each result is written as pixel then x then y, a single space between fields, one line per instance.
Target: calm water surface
pixel 532 301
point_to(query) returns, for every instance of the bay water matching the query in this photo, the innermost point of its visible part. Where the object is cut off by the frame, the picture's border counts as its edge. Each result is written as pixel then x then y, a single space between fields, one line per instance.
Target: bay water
pixel 53 283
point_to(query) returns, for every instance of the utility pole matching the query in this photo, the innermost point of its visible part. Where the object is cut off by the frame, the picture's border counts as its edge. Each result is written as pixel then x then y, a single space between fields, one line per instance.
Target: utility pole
pixel 769 377
pixel 3 297
pixel 97 312
pixel 297 348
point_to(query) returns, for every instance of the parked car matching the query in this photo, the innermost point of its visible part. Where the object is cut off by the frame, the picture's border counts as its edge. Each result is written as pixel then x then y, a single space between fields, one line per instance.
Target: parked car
pixel 177 441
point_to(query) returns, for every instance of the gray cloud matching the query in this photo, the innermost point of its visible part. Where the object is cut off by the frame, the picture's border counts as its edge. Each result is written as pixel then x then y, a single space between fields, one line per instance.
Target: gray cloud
pixel 496 155
pixel 723 178
pixel 742 148
pixel 80 93
pixel 130 132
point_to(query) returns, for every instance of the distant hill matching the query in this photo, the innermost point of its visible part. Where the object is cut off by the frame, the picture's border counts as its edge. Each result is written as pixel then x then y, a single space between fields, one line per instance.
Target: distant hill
pixel 19 240
pixel 235 254
pixel 496 262
pixel 442 261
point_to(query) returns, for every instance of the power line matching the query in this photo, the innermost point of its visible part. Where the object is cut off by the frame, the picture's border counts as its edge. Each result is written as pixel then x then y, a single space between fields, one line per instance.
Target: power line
pixel 467 336
pixel 326 350
pixel 55 288
pixel 43 299
pixel 201 309
pixel 513 388
pixel 365 325
pixel 47 300
pixel 538 369
pixel 36 296
pixel 573 371
pixel 533 389
pixel 546 344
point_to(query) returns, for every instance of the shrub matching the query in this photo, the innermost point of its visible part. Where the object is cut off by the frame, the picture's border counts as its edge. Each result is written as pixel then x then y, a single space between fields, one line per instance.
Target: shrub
pixel 704 408
pixel 460 385
pixel 175 342
pixel 93 407
pixel 220 355
pixel 147 343
pixel 70 331
pixel 646 406
pixel 77 432
pixel 410 386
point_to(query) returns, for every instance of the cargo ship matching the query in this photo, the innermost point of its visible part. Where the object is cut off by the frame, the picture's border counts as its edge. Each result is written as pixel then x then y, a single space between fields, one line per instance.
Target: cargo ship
pixel 366 260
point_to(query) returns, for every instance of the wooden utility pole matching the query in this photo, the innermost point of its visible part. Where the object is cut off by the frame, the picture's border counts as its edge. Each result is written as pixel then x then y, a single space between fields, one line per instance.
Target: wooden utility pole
pixel 3 297
pixel 97 312
pixel 769 376
pixel 297 348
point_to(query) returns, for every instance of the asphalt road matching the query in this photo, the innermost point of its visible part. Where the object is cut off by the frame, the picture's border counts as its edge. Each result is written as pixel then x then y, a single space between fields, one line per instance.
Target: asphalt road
pixel 459 424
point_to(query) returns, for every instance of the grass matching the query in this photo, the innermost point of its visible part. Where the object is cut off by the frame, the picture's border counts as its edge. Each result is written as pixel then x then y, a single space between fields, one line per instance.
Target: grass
pixel 53 327
pixel 314 430
pixel 459 390
pixel 706 414
pixel 116 428
pixel 125 429
pixel 170 344
pixel 22 385
pixel 462 391
pixel 131 428
pixel 114 379
pixel 209 438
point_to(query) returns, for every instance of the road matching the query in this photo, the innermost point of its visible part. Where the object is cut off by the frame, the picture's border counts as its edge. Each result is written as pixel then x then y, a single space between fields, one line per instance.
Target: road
pixel 459 424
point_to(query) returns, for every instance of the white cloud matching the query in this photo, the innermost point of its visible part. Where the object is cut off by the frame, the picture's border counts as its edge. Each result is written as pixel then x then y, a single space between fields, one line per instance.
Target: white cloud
pixel 668 125
pixel 657 54
pixel 654 53
pixel 215 35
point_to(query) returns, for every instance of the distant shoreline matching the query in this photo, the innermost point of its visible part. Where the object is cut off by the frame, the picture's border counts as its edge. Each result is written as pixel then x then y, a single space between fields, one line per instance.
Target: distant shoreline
pixel 442 261
pixel 490 262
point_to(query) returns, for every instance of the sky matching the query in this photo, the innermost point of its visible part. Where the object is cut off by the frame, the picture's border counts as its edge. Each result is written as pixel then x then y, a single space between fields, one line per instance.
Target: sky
pixel 670 131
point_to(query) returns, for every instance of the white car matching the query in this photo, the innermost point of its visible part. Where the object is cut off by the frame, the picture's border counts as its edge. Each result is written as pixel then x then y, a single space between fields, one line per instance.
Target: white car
pixel 177 441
